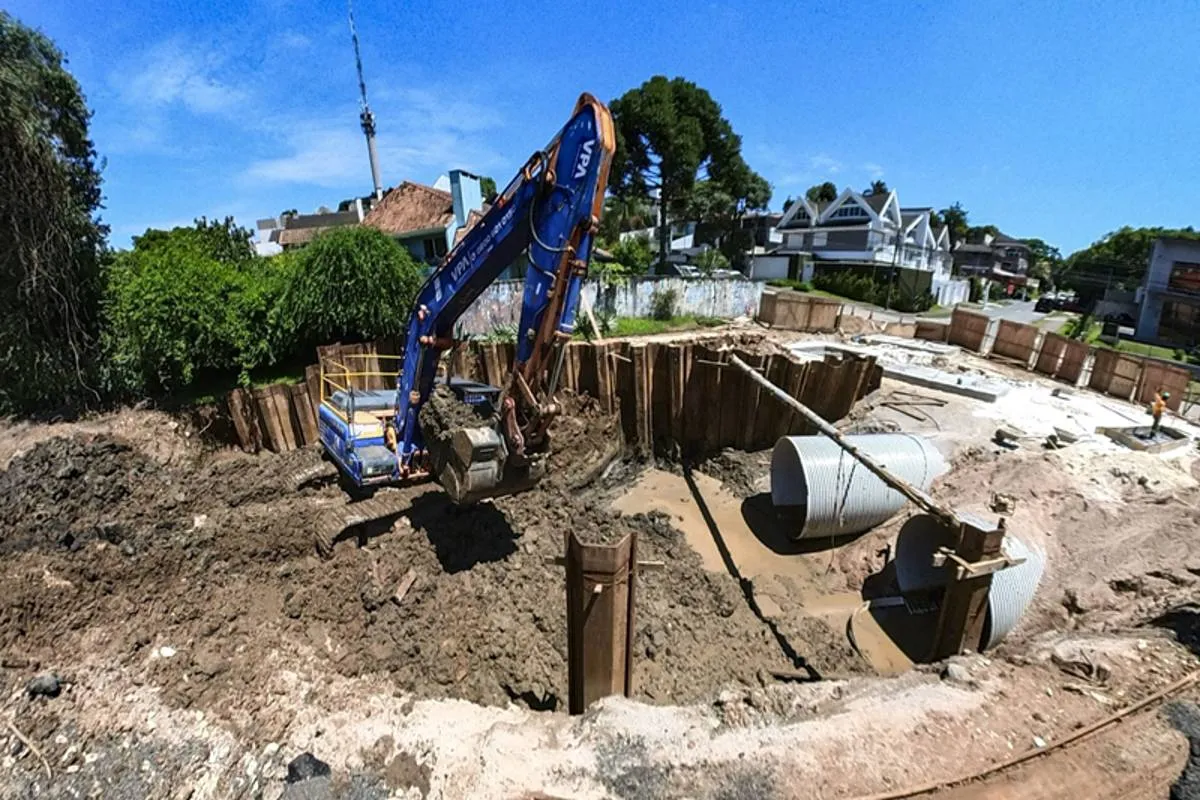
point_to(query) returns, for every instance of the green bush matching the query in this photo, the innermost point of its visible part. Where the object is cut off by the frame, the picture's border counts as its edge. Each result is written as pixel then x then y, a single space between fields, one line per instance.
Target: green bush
pixel 864 288
pixel 790 283
pixel 350 284
pixel 173 313
pixel 193 304
pixel 662 304
pixel 635 253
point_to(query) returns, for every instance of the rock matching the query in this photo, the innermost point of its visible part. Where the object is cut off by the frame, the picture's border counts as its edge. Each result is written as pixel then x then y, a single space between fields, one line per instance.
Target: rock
pixel 1094 597
pixel 1039 742
pixel 45 685
pixel 305 767
pixel 957 673
pixel 1039 716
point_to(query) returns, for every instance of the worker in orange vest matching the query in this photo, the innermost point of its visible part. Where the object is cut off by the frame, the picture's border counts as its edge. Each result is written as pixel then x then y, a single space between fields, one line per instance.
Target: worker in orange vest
pixel 1157 408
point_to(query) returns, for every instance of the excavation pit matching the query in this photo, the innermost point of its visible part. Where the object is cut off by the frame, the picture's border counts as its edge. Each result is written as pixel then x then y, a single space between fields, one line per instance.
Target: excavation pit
pixel 1145 439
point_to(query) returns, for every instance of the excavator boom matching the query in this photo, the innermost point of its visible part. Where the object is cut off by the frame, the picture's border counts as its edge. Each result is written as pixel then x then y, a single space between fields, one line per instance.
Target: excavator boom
pixel 548 216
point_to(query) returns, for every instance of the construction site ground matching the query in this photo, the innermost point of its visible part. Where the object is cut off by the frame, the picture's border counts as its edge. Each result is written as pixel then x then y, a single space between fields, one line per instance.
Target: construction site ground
pixel 202 644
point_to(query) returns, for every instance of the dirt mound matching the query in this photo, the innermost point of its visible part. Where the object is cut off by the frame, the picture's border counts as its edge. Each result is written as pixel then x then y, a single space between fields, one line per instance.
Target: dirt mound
pixel 68 491
pixel 200 577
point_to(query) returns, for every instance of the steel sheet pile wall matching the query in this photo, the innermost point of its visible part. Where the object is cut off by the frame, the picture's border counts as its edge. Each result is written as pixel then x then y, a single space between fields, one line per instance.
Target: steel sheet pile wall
pixel 674 397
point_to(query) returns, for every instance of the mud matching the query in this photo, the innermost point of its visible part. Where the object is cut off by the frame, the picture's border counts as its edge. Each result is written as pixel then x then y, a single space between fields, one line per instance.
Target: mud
pixel 199 576
pixel 744 474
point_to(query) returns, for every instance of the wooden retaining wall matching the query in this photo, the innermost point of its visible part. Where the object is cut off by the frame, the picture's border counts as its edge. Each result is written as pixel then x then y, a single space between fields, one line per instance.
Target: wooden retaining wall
pixel 1016 341
pixel 1115 373
pixel 797 311
pixel 674 398
pixel 968 330
pixel 1158 375
pixel 931 331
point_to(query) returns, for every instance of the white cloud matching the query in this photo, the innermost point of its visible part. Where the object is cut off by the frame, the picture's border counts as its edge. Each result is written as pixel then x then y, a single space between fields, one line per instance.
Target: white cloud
pixel 875 171
pixel 417 135
pixel 172 74
pixel 825 164
pixel 293 40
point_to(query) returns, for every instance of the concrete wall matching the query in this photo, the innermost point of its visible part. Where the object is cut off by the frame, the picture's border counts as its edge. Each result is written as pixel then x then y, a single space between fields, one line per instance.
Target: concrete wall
pixel 500 305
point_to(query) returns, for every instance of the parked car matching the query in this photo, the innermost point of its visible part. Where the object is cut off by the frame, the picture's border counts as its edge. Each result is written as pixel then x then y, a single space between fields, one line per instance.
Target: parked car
pixel 1047 303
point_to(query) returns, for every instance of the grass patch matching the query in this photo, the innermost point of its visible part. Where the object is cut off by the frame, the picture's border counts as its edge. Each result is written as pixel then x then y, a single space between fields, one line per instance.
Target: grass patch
pixel 647 326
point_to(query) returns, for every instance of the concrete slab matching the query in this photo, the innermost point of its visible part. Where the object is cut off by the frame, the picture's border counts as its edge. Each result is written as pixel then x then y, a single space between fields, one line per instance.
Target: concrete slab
pixel 973 386
pixel 921 345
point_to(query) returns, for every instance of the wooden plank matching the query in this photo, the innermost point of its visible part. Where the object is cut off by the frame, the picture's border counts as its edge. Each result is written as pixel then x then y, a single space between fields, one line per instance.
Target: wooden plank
pixel 662 433
pixel 642 396
pixel 1051 355
pixel 710 410
pixel 312 382
pixel 733 398
pixel 750 401
pixel 600 619
pixel 243 412
pixel 276 435
pixel 798 375
pixel 305 415
pixel 625 389
pixel 696 405
pixel 964 604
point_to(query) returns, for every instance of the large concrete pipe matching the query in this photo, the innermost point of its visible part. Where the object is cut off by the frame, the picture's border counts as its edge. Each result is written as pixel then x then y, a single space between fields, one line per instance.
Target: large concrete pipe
pixel 1012 589
pixel 829 493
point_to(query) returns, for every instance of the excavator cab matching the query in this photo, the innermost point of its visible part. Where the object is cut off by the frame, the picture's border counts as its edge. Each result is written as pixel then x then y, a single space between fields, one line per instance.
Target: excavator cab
pixel 358 407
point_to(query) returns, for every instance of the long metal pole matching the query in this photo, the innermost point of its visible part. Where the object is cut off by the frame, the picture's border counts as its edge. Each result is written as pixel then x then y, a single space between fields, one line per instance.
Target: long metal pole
pixel 918 496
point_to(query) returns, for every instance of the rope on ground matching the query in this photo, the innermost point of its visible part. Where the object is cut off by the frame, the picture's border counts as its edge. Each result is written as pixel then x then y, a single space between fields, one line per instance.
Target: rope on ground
pixel 32 747
pixel 1082 733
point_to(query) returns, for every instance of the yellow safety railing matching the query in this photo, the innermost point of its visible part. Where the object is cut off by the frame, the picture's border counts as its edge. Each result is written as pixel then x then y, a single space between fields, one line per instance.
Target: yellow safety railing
pixel 332 368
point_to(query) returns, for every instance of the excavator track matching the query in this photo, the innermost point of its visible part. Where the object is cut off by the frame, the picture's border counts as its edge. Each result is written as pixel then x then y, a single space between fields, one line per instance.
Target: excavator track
pixel 334 523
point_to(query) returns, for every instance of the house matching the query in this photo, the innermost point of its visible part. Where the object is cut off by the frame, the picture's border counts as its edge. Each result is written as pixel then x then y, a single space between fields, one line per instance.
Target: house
pixel 290 230
pixel 857 231
pixel 429 220
pixel 1169 298
pixel 996 257
pixel 861 228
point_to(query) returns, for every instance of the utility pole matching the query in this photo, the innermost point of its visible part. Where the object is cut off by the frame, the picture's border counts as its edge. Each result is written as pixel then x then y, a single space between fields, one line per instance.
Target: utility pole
pixel 365 118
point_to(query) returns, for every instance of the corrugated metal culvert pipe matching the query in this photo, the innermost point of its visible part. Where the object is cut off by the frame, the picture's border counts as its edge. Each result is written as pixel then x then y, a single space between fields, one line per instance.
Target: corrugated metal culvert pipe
pixel 1012 589
pixel 829 493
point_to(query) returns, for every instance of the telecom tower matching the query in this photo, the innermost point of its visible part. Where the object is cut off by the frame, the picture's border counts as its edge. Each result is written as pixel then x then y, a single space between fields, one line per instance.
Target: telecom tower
pixel 365 117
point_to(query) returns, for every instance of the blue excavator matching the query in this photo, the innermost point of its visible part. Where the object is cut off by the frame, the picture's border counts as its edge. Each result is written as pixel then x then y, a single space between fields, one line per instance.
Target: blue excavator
pixel 550 213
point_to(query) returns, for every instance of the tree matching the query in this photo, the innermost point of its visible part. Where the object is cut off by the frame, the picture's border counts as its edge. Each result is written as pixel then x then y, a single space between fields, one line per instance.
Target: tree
pixel 350 284
pixel 1119 258
pixel 787 203
pixel 670 133
pixel 623 214
pixel 876 187
pixel 635 254
pixel 977 233
pixel 187 303
pixel 487 187
pixel 955 219
pixel 51 239
pixel 825 192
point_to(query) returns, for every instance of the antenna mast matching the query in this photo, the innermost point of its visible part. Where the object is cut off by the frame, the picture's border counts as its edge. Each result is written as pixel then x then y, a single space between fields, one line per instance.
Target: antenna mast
pixel 365 117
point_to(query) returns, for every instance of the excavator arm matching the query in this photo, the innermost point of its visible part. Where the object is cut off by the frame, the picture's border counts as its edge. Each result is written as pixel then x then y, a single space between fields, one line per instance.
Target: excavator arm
pixel 550 211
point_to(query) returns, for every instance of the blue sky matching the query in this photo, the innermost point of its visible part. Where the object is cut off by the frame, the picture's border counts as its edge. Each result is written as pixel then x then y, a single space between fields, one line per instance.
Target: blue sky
pixel 1059 120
